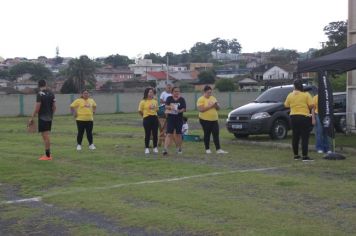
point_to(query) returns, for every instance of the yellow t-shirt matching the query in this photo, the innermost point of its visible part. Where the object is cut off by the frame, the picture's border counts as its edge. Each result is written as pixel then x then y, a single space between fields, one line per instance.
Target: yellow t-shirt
pixel 211 114
pixel 148 107
pixel 84 108
pixel 299 103
pixel 316 104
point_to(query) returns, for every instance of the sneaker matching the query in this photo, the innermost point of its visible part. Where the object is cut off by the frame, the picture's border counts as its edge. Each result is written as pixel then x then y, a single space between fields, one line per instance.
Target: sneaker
pixel 147 151
pixel 79 147
pixel 45 158
pixel 297 157
pixel 92 147
pixel 208 151
pixel 329 152
pixel 220 151
pixel 155 150
pixel 307 159
pixel 165 153
pixel 320 151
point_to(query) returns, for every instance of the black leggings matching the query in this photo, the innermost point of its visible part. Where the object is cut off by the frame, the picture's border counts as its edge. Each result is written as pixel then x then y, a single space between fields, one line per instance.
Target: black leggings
pixel 150 124
pixel 210 127
pixel 85 126
pixel 301 127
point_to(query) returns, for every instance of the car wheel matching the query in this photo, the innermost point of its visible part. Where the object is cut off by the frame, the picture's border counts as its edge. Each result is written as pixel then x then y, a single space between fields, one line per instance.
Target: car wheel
pixel 241 135
pixel 279 130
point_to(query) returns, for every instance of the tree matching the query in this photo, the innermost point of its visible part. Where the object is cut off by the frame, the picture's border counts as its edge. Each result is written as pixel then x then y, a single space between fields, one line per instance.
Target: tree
pixel 219 45
pixel 224 85
pixel 283 56
pixel 201 52
pixel 185 56
pixel 338 82
pixel 173 59
pixel 81 72
pixel 68 87
pixel 118 60
pixel 58 60
pixel 206 77
pixel 4 74
pixel 337 38
pixel 155 57
pixel 234 46
pixel 225 45
pixel 37 70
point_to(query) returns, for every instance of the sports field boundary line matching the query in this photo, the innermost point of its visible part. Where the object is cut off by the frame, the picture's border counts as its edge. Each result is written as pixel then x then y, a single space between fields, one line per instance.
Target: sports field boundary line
pixel 80 190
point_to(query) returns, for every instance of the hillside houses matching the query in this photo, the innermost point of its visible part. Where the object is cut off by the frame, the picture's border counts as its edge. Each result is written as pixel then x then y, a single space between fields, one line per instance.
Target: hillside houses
pixel 249 66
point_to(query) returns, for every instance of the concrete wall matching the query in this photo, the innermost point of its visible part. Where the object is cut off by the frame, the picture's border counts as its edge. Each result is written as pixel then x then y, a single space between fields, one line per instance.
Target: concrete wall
pixel 14 105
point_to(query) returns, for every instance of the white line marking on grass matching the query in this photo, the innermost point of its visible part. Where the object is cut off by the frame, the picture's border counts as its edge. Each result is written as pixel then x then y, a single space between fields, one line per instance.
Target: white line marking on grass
pixel 79 190
pixel 34 199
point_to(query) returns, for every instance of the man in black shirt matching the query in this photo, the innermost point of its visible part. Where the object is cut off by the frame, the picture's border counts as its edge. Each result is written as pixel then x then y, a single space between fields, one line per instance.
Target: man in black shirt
pixel 45 108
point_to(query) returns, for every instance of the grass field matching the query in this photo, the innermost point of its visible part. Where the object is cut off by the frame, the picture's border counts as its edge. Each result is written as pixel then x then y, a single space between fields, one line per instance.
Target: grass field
pixel 117 190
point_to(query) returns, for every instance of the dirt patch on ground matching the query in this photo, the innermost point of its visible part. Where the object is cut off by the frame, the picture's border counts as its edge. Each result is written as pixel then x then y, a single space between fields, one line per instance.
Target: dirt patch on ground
pixel 46 219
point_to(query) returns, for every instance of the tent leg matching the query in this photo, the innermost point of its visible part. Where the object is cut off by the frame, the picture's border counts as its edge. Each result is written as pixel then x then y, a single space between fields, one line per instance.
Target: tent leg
pixel 334 155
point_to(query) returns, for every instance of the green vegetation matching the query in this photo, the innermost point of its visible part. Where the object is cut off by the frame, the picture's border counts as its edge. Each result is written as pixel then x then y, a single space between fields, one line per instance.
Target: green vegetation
pixel 107 191
pixel 339 83
pixel 225 85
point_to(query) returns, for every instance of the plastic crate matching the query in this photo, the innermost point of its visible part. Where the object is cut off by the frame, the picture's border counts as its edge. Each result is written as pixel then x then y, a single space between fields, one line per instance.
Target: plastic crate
pixel 191 138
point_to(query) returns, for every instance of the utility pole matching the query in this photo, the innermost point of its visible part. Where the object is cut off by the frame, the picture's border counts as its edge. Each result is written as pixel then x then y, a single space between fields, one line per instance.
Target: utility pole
pixel 167 69
pixel 351 75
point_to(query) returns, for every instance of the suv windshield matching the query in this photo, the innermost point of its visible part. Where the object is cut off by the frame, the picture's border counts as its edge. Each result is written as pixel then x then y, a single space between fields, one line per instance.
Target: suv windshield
pixel 274 95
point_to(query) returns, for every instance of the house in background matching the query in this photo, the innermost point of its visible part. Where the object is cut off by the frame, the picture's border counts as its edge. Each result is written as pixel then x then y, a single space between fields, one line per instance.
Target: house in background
pixel 103 75
pixel 258 72
pixel 274 72
pixel 160 78
pixel 143 66
pixel 4 83
pixel 177 68
pixel 200 66
pixel 27 86
pixel 248 84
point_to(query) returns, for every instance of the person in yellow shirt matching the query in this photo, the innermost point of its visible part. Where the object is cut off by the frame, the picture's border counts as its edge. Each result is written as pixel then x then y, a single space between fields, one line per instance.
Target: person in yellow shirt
pixel 322 141
pixel 148 108
pixel 83 110
pixel 300 104
pixel 208 108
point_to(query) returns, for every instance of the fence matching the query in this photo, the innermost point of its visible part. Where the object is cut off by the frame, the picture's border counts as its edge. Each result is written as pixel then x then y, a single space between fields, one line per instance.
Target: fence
pixel 23 105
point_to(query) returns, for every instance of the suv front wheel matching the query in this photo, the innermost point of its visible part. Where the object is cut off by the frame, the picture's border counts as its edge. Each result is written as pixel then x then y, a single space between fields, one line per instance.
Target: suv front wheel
pixel 279 130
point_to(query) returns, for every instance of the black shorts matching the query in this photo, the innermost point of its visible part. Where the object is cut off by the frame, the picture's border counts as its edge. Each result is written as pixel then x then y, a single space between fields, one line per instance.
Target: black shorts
pixel 44 126
pixel 174 123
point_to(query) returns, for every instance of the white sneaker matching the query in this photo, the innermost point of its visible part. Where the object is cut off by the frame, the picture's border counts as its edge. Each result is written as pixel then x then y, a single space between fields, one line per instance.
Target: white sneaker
pixel 79 147
pixel 320 151
pixel 155 150
pixel 208 151
pixel 220 151
pixel 147 151
pixel 92 147
pixel 329 152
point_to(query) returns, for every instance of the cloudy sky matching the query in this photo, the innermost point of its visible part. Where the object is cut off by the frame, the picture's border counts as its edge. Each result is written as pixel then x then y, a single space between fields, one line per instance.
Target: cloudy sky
pixel 99 28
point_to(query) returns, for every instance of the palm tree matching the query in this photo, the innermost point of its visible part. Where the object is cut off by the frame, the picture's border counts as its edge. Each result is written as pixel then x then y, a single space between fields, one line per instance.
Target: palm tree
pixel 81 72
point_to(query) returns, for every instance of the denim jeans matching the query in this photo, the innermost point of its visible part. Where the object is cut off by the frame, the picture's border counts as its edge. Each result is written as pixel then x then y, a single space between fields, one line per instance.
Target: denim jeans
pixel 322 140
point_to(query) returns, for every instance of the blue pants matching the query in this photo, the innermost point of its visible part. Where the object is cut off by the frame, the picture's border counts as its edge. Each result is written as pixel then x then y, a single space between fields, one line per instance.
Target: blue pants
pixel 322 140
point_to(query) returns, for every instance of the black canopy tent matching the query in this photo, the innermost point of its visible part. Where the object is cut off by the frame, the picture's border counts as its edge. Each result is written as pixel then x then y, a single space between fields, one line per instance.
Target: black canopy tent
pixel 338 62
